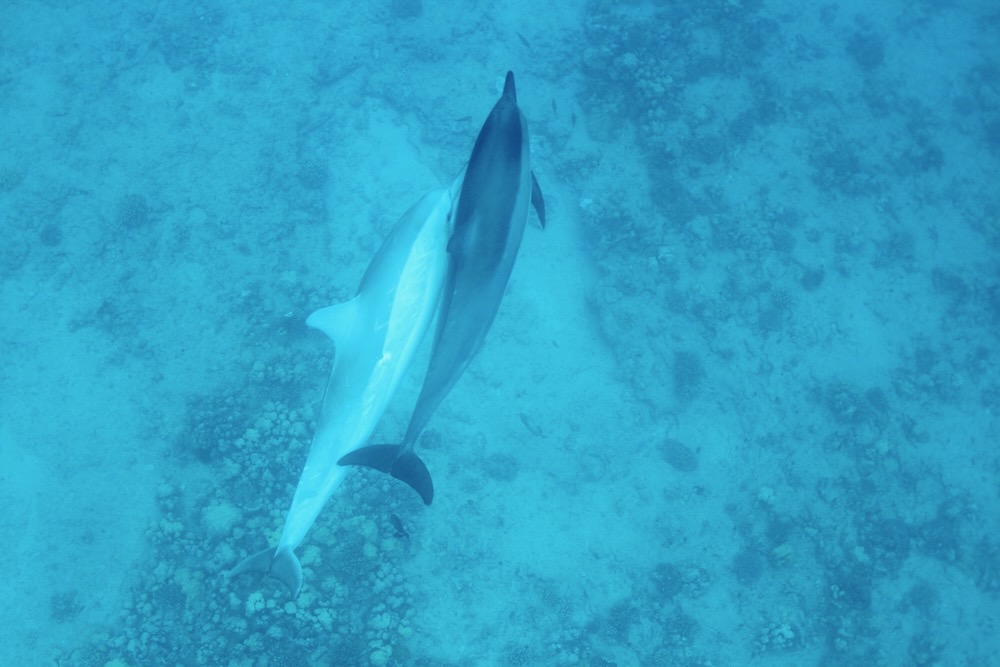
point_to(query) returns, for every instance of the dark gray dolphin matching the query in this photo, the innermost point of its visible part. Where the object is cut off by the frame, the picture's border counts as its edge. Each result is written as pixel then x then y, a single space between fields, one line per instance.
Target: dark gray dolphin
pixel 489 221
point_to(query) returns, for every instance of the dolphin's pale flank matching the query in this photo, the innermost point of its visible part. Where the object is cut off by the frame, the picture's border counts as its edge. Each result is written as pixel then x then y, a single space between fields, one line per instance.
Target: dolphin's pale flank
pixel 375 335
pixel 490 217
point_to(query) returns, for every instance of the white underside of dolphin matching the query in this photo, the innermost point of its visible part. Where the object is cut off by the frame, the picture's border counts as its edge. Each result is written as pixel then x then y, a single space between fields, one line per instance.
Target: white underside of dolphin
pixel 376 335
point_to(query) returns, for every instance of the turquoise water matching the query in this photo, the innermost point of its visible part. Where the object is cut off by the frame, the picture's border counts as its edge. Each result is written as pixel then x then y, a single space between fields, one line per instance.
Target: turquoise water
pixel 739 405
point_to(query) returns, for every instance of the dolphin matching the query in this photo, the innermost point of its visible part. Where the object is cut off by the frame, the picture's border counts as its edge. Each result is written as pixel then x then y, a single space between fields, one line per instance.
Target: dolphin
pixel 490 217
pixel 376 335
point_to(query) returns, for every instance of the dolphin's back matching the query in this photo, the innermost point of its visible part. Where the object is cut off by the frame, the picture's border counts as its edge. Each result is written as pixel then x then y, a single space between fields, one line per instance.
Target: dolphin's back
pixel 485 210
pixel 490 217
pixel 489 221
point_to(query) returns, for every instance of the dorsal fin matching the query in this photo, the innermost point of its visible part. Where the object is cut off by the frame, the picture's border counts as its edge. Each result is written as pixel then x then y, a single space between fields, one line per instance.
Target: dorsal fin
pixel 337 321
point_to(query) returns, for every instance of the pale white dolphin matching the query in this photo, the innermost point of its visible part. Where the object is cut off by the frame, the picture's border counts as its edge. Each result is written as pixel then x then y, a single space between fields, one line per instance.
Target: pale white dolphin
pixel 376 335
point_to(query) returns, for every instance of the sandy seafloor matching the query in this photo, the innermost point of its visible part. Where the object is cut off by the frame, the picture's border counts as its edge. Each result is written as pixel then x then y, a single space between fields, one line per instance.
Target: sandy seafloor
pixel 756 344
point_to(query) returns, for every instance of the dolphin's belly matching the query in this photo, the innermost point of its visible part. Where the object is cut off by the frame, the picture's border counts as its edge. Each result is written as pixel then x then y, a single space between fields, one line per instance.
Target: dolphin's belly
pixel 347 423
pixel 419 289
pixel 392 316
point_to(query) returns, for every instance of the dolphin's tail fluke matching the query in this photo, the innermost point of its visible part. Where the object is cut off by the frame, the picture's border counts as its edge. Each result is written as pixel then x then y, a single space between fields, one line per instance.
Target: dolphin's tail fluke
pixel 380 457
pixel 283 565
pixel 410 469
pixel 403 465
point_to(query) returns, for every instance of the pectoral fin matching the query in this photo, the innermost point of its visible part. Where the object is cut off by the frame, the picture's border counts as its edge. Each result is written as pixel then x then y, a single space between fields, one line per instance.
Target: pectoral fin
pixel 537 201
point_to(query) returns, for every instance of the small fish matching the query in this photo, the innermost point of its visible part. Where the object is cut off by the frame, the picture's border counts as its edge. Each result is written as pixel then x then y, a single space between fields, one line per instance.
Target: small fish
pixel 398 525
pixel 523 40
pixel 532 427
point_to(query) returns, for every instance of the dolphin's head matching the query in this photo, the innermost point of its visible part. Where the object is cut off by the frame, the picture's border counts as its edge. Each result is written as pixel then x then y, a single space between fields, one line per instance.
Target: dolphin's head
pixel 509 93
